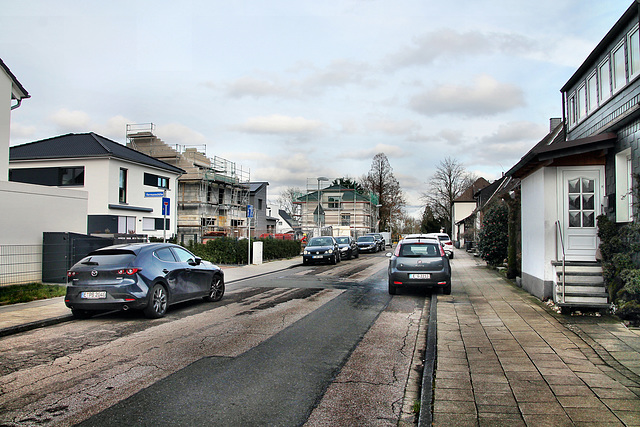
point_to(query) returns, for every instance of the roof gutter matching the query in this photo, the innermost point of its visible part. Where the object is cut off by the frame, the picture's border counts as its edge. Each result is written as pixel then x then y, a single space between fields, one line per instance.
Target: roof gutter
pixel 13 107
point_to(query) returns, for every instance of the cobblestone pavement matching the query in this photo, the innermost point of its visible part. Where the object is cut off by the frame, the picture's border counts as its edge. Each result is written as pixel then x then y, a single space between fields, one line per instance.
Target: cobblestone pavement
pixel 504 358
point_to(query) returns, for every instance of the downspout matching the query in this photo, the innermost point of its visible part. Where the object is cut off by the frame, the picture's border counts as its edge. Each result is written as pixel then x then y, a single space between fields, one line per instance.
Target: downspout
pixel 13 107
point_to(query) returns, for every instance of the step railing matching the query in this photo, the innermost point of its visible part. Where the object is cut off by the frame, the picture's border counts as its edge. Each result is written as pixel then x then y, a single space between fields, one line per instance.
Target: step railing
pixel 564 275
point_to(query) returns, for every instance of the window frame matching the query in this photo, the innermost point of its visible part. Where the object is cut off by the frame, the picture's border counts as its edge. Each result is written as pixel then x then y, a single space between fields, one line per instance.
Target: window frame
pixel 618 85
pixel 122 185
pixel 633 53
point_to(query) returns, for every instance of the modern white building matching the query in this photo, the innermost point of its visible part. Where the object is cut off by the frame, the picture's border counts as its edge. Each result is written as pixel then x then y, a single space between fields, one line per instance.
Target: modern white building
pixel 128 191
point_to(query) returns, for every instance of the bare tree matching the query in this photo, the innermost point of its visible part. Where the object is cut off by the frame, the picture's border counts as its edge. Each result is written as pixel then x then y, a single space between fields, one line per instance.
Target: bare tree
pixel 381 182
pixel 287 199
pixel 447 183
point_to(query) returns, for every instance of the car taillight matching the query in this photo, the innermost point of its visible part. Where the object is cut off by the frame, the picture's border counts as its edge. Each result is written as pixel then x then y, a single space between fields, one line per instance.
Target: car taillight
pixel 128 271
pixel 71 273
pixel 397 252
pixel 441 250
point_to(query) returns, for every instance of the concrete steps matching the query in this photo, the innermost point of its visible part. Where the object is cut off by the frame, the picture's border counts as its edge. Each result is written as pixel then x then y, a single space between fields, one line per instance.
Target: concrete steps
pixel 583 285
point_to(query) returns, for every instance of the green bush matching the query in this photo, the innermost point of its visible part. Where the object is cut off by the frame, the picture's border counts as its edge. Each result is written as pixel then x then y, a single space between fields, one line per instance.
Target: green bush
pixel 619 247
pixel 493 240
pixel 226 250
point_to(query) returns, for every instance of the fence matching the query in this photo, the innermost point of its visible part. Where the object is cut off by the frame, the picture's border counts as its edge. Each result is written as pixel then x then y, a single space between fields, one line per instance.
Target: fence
pixel 20 264
pixel 49 262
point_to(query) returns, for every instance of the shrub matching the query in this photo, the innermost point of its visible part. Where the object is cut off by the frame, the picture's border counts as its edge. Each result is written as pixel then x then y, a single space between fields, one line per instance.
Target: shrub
pixel 619 247
pixel 493 239
pixel 227 250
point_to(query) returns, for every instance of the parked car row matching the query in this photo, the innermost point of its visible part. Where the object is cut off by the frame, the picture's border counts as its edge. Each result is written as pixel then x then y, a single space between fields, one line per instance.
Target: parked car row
pixel 333 250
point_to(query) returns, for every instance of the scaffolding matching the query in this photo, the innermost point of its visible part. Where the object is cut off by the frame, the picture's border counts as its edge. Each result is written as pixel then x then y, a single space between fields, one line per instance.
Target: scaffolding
pixel 213 193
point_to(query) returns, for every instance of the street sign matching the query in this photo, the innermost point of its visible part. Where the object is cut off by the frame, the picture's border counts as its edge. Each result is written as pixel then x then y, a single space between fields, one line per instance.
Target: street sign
pixel 165 206
pixel 249 211
pixel 153 193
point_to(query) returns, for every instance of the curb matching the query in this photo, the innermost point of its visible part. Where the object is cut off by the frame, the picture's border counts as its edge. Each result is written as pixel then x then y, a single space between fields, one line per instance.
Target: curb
pixel 425 418
pixel 11 330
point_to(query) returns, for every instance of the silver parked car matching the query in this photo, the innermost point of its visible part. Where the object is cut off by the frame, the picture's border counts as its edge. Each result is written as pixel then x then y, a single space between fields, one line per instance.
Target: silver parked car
pixel 419 262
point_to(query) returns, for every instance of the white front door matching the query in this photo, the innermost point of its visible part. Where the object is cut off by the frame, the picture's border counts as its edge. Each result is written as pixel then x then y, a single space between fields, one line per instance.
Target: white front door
pixel 581 193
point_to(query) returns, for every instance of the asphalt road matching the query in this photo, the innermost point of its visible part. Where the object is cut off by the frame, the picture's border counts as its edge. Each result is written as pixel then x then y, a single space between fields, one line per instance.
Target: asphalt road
pixel 289 348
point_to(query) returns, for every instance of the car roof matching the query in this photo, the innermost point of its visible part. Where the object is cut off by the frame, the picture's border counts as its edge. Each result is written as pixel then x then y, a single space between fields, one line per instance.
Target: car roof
pixel 135 247
pixel 419 239
pixel 417 236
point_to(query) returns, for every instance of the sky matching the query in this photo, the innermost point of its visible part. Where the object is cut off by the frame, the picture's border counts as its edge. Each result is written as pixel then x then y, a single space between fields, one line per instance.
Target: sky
pixel 292 90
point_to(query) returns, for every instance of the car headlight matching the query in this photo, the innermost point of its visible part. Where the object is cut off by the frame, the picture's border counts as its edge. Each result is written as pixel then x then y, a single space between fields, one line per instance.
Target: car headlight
pixel 344 249
pixel 306 252
pixel 330 251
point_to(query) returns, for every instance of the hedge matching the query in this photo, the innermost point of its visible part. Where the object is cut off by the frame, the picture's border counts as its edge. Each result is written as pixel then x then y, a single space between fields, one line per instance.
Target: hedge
pixel 227 250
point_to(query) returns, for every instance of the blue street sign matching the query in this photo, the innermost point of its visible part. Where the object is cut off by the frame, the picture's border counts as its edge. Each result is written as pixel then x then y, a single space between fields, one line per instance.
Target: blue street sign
pixel 165 206
pixel 153 193
pixel 249 211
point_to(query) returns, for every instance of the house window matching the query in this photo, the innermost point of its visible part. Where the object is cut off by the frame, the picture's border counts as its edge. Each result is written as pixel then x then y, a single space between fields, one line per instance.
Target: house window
pixel 619 74
pixel 581 106
pixel 345 220
pixel 63 177
pixel 334 202
pixel 237 223
pixel 127 224
pixel 582 203
pixel 624 186
pixel 152 224
pixel 572 110
pixel 156 180
pixel 634 53
pixel 259 204
pixel 592 92
pixel 122 186
pixel 604 80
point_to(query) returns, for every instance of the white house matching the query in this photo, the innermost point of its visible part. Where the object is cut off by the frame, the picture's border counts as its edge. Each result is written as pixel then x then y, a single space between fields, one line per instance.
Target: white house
pixel 128 191
pixel 581 169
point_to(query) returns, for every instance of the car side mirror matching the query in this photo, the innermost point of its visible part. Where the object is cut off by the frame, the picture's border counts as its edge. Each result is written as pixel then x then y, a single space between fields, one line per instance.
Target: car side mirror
pixel 196 261
pixel 388 254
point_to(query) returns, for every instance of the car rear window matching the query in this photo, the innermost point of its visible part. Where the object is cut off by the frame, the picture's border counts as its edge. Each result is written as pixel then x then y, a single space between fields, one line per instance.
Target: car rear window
pixel 342 239
pixel 109 258
pixel 419 250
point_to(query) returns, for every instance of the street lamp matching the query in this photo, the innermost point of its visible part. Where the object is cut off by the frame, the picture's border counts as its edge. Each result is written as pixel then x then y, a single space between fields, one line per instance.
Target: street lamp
pixel 320 178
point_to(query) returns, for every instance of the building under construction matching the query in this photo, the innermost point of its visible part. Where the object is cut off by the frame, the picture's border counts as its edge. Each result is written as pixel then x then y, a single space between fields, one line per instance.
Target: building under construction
pixel 213 193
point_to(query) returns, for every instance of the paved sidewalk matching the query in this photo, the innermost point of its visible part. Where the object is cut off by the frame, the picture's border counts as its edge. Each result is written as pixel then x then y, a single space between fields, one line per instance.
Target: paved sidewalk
pixel 17 318
pixel 505 359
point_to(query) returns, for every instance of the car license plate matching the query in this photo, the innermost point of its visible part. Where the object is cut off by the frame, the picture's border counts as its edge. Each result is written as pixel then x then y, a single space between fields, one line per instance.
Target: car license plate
pixel 93 295
pixel 317 256
pixel 420 276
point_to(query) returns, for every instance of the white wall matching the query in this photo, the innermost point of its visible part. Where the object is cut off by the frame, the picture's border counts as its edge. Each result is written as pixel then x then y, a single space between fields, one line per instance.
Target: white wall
pixel 5 122
pixel 539 212
pixel 29 210
pixel 461 210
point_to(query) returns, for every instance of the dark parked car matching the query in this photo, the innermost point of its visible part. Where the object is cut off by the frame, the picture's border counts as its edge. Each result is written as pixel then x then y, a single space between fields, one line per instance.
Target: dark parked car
pixel 348 247
pixel 379 239
pixel 144 276
pixel 322 248
pixel 367 244
pixel 419 262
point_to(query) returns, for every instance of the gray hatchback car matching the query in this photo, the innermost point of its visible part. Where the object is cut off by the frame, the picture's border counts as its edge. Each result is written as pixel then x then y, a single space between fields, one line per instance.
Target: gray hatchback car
pixel 143 276
pixel 419 262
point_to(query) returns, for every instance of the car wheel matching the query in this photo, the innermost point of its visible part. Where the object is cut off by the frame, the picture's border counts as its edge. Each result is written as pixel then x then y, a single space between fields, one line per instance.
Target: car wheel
pixel 81 314
pixel 451 255
pixel 334 260
pixel 217 289
pixel 393 289
pixel 447 289
pixel 158 300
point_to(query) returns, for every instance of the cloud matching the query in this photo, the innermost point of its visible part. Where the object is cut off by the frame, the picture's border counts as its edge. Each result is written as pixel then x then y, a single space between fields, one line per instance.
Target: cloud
pixel 21 132
pixel 484 97
pixel 177 133
pixel 257 88
pixel 277 124
pixel 388 150
pixel 71 121
pixel 446 42
pixel 394 127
